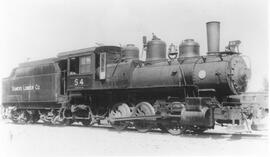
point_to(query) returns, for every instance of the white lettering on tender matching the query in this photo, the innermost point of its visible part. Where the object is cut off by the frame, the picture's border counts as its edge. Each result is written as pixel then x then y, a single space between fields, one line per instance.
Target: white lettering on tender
pixel 26 88
pixel 16 88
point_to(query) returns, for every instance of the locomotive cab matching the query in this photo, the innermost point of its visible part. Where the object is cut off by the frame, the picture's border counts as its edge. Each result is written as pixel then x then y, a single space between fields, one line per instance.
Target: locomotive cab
pixel 81 69
pixel 77 68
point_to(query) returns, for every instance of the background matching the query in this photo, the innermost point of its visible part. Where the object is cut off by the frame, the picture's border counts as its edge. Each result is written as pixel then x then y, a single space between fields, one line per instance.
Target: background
pixel 32 29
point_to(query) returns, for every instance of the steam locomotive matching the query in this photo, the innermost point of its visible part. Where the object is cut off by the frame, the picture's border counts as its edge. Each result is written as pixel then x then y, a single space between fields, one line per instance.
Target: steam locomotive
pixel 184 92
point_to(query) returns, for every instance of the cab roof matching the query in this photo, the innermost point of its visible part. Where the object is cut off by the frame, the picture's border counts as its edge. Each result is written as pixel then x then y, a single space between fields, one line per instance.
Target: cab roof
pixel 80 52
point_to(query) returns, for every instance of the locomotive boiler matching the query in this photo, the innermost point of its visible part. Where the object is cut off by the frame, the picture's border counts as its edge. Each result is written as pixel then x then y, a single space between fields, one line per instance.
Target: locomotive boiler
pixel 184 92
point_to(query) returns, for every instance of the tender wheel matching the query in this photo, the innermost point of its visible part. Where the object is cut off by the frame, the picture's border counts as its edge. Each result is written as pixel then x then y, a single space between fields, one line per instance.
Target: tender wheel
pixel 117 111
pixel 143 109
pixel 24 117
pixel 198 130
pixel 68 121
pixel 14 116
pixel 175 128
pixel 86 122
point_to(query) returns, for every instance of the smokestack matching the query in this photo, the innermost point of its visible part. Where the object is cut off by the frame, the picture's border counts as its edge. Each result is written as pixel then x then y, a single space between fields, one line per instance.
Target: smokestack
pixel 213 35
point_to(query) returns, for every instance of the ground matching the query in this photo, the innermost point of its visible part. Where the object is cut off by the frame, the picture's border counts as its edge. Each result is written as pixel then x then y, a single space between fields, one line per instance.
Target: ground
pixel 41 140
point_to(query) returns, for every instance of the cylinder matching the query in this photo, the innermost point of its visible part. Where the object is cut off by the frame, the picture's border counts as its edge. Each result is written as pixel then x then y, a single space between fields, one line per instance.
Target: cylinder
pixel 189 48
pixel 201 118
pixel 213 36
pixel 130 52
pixel 156 50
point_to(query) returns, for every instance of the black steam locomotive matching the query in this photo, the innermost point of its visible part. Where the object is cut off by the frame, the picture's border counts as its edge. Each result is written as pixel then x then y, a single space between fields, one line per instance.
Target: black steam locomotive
pixel 186 92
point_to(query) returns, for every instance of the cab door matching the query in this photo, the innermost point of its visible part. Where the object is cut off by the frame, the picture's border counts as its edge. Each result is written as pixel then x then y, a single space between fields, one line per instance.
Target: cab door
pixel 63 79
pixel 81 72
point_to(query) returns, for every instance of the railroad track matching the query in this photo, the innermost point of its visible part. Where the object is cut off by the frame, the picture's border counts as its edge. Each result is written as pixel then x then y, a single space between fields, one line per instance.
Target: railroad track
pixel 219 133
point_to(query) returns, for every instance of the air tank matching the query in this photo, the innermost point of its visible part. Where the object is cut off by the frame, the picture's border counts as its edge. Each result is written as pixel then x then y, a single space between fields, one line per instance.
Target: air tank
pixel 189 48
pixel 130 51
pixel 156 49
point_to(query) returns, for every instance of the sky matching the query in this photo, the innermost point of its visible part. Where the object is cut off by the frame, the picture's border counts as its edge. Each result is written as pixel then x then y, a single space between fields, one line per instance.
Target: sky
pixel 33 29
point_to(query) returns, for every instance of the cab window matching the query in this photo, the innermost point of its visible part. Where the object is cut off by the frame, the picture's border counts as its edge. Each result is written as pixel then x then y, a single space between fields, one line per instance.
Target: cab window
pixel 85 64
pixel 74 66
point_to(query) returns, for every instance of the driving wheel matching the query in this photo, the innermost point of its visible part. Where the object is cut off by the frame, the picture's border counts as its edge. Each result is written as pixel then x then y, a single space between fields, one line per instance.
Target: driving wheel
pixel 119 110
pixel 143 109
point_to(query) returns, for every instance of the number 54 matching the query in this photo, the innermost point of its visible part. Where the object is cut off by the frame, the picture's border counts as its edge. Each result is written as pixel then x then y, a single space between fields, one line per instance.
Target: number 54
pixel 78 82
